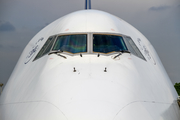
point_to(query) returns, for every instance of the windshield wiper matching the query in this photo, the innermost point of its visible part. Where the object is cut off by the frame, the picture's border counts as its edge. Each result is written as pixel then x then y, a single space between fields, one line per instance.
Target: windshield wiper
pixel 121 52
pixel 56 52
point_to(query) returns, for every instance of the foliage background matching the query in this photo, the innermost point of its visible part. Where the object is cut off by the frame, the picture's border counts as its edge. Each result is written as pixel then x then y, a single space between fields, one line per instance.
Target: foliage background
pixel 177 87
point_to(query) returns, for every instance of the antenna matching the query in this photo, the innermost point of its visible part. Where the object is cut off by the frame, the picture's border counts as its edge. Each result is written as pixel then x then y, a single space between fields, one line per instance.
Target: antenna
pixel 88 2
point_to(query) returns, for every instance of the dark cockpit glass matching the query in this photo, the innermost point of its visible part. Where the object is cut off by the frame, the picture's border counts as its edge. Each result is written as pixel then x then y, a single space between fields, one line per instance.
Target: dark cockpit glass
pixel 46 47
pixel 71 43
pixel 108 43
pixel 77 43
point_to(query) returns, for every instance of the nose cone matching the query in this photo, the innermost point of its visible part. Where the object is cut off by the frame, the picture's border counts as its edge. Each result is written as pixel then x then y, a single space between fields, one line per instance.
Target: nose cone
pixel 90 110
pixel 89 99
pixel 84 90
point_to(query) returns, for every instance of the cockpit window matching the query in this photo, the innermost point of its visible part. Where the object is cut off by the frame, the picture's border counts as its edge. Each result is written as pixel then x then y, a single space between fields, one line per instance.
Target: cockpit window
pixel 77 43
pixel 46 47
pixel 108 43
pixel 133 48
pixel 71 43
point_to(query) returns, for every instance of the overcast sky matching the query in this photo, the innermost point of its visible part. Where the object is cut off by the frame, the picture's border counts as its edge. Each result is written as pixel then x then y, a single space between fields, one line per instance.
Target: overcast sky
pixel 158 20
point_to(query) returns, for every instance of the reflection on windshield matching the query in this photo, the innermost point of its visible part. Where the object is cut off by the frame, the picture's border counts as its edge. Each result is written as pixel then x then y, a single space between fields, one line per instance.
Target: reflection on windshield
pixel 46 47
pixel 108 43
pixel 71 43
pixel 133 48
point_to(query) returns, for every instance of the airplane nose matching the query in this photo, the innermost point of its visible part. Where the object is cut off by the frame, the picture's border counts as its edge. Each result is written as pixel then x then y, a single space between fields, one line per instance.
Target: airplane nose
pixel 89 99
pixel 90 110
pixel 90 91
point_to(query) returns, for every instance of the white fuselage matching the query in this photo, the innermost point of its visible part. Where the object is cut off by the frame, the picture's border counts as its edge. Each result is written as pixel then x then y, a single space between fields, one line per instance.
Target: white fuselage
pixel 89 87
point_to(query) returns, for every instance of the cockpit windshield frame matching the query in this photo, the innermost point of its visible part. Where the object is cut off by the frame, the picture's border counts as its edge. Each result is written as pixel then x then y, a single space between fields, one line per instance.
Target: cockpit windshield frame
pixel 111 42
pixel 67 39
pixel 46 48
pixel 126 41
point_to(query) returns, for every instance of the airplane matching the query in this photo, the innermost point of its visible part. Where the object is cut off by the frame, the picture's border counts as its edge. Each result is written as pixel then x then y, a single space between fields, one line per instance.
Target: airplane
pixel 89 65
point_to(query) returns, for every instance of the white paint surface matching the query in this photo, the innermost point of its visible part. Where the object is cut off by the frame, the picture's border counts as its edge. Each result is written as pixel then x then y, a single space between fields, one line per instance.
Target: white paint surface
pixel 48 89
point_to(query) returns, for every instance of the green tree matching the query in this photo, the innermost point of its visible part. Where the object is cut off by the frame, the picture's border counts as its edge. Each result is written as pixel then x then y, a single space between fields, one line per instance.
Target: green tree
pixel 177 87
